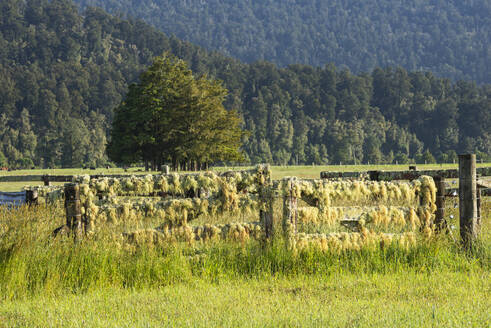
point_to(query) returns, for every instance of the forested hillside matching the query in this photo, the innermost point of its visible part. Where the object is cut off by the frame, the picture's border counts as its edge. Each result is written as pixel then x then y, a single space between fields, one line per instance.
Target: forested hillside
pixel 62 73
pixel 448 37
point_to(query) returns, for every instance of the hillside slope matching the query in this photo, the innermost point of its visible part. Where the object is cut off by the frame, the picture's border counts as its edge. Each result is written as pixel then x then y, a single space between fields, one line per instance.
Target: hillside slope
pixel 448 37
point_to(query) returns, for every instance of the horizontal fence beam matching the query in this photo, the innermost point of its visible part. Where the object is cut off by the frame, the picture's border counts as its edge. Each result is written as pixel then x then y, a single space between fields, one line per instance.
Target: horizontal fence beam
pixel 483 184
pixel 55 178
pixel 69 178
pixel 12 198
pixel 454 192
pixel 21 178
pixel 374 175
pixel 402 175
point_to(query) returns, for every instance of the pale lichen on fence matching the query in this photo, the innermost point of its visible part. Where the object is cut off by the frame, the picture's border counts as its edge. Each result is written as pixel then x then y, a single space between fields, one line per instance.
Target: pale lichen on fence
pixel 173 199
pixel 344 241
pixel 372 207
pixel 238 232
pixel 247 191
pixel 418 214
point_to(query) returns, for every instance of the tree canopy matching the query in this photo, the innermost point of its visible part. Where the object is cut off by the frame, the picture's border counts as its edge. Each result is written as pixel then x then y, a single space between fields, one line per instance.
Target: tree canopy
pixel 171 116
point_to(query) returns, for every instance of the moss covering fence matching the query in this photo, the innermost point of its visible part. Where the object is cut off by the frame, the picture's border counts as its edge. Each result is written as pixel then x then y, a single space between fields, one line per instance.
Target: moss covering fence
pixel 337 212
pixel 181 199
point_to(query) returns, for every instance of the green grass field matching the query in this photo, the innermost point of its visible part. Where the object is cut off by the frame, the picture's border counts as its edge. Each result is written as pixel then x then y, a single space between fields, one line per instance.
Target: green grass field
pixel 47 282
pixel 277 171
pixel 441 299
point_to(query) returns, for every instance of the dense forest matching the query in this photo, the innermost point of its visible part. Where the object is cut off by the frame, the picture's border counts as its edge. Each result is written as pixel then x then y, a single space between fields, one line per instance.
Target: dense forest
pixel 62 73
pixel 450 38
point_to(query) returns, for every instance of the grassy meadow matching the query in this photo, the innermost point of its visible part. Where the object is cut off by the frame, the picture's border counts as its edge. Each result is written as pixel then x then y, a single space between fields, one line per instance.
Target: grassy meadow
pixel 278 172
pixel 52 282
pixel 305 171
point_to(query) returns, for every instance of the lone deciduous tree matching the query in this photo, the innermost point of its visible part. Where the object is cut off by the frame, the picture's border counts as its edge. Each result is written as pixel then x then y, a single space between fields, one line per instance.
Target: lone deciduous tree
pixel 171 116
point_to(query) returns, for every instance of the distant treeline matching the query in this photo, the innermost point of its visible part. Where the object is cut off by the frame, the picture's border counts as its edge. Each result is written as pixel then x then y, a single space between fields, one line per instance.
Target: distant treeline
pixel 448 37
pixel 62 73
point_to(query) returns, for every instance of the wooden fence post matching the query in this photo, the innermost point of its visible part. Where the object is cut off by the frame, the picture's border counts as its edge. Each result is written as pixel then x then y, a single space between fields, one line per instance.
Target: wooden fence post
pixel 266 213
pixel 290 212
pixel 468 198
pixel 73 210
pixel 440 203
pixel 46 180
pixel 31 197
pixel 266 199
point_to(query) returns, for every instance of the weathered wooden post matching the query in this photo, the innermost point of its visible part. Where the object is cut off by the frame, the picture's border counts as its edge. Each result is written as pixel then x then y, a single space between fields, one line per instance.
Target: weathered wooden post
pixel 290 212
pixel 468 198
pixel 266 198
pixel 440 203
pixel 46 180
pixel 31 197
pixel 73 210
pixel 266 212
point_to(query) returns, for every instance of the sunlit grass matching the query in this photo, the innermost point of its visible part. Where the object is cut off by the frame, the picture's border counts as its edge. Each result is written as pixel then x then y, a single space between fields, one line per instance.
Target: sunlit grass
pixel 347 300
pixel 47 281
pixel 32 262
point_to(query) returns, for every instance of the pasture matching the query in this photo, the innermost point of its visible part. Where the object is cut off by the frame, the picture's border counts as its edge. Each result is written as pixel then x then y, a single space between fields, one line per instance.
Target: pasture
pixel 98 282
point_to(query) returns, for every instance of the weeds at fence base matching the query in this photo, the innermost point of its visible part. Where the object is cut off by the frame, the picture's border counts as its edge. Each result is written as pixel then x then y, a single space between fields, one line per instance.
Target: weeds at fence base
pixel 32 262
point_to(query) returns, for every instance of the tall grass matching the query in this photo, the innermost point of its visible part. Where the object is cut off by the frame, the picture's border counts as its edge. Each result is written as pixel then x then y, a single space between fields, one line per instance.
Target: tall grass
pixel 32 261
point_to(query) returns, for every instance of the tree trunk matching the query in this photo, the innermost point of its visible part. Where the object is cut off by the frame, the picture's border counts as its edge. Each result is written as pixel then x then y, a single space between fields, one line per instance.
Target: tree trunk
pixel 174 164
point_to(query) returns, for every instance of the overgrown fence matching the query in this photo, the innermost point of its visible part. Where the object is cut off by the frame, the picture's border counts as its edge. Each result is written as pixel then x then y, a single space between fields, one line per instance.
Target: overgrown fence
pixel 376 208
pixel 470 192
pixel 176 200
pixel 342 210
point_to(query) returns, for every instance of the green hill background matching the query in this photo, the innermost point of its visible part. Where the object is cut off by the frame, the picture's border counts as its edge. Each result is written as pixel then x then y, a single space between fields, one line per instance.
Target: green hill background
pixel 63 72
pixel 451 38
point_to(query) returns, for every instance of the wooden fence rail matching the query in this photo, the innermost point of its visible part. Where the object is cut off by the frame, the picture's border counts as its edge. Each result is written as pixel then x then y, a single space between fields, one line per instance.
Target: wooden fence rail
pixel 216 190
pixel 468 199
pixel 29 197
pixel 402 175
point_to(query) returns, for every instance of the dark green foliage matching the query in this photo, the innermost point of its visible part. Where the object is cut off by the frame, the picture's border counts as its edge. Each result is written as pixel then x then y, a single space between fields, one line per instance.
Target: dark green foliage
pixel 63 74
pixel 171 116
pixel 447 37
